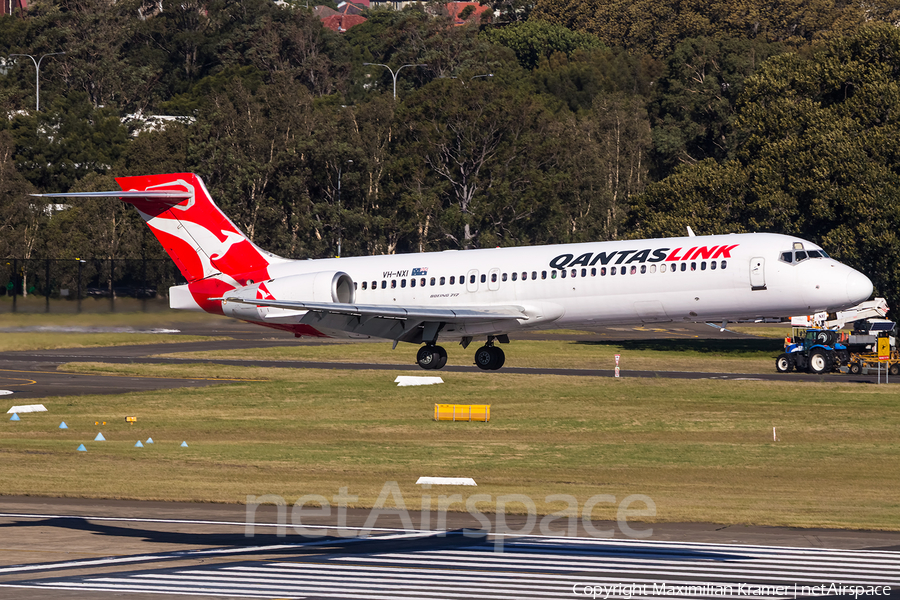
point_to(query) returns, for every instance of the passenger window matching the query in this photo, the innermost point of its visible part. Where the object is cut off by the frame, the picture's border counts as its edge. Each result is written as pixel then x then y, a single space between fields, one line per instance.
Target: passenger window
pixel 383 284
pixel 633 270
pixel 524 275
pixel 584 272
pixel 703 266
pixel 484 278
pixel 574 272
pixel 724 264
pixel 602 271
pixel 374 285
pixel 623 271
pixel 412 283
pixel 493 278
pixel 444 280
pixel 643 269
pixel 472 278
pixel 364 285
pixel 422 282
pixel 653 268
pixel 354 284
pixel 612 270
pixel 432 281
pixel 712 265
pixel 503 277
pixel 693 266
pixel 562 273
pixel 543 274
pixel 684 266
pixel 452 280
pixel 553 274
pixel 534 275
pixel 403 283
pixel 662 268
pixel 393 283
pixel 515 276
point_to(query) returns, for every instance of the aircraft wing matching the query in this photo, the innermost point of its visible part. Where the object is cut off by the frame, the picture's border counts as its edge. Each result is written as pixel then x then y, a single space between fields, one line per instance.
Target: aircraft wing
pixel 409 323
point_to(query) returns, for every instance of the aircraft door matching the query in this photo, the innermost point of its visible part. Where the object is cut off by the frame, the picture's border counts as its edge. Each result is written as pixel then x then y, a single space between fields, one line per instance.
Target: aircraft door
pixel 758 273
pixel 494 280
pixel 472 281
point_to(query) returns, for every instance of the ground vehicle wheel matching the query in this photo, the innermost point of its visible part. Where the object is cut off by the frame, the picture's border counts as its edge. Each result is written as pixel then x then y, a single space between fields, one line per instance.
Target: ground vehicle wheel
pixel 819 361
pixel 894 369
pixel 855 368
pixel 427 357
pixel 484 357
pixel 784 363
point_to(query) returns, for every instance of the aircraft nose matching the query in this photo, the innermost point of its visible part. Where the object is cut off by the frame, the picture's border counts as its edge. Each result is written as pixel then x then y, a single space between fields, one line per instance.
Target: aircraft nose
pixel 859 287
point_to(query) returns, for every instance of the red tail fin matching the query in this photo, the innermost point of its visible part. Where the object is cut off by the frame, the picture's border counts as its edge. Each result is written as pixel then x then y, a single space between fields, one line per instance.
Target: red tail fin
pixel 195 232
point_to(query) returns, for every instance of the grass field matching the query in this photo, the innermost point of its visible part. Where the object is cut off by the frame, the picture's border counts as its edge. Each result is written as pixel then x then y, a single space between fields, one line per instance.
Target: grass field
pixel 702 450
pixel 733 356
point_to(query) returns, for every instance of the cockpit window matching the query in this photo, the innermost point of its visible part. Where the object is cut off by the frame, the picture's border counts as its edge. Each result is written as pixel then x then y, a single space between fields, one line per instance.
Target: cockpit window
pixel 800 255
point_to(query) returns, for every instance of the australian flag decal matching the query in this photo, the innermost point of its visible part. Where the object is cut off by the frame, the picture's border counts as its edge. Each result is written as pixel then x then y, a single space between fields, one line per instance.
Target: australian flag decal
pixel 420 271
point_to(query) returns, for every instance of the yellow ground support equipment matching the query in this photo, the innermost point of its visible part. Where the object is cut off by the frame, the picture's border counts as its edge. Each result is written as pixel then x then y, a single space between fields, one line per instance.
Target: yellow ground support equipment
pixel 462 412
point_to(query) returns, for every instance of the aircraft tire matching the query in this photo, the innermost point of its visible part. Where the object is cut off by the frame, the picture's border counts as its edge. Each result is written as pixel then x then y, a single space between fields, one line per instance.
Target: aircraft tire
pixel 484 358
pixel 499 358
pixel 441 357
pixel 784 363
pixel 427 357
pixel 819 362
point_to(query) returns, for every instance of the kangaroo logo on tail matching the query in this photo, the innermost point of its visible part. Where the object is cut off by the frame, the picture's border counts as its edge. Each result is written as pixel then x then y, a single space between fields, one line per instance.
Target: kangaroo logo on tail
pixel 196 234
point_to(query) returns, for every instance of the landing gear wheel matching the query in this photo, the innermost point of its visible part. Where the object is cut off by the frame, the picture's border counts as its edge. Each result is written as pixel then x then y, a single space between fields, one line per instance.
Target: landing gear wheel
pixel 442 357
pixel 484 358
pixel 428 358
pixel 819 361
pixel 784 363
pixel 489 358
pixel 855 368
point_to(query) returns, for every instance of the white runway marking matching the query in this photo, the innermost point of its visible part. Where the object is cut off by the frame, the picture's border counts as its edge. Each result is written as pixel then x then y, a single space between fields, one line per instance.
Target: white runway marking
pixel 527 568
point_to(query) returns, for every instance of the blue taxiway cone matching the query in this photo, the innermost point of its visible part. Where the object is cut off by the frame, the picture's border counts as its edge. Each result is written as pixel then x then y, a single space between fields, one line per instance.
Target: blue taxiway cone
pixel 139 444
pixel 15 417
pixel 149 440
pixel 81 448
pixel 63 425
pixel 184 444
pixel 99 438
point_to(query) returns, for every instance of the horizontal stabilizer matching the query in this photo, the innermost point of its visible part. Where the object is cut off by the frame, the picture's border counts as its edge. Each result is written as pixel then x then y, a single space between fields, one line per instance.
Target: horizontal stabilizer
pixel 160 195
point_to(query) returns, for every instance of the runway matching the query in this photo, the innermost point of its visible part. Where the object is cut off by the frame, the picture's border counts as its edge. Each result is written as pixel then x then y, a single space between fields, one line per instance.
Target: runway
pixel 33 374
pixel 212 558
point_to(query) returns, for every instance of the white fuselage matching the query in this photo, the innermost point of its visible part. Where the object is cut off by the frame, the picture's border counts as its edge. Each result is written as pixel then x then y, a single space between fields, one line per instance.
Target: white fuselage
pixel 709 278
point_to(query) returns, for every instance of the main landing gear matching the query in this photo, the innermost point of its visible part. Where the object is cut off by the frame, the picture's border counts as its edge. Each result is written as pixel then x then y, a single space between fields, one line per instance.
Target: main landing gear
pixel 431 357
pixel 487 358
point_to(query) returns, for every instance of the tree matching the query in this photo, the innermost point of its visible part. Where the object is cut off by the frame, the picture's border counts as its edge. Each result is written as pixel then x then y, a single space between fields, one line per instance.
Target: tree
pixel 816 157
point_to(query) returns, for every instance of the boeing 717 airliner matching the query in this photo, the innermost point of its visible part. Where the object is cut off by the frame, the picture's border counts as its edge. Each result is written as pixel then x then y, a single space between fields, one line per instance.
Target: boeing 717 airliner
pixel 486 294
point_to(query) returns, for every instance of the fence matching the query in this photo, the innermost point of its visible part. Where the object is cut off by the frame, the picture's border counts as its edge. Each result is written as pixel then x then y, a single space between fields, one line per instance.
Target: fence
pixel 89 285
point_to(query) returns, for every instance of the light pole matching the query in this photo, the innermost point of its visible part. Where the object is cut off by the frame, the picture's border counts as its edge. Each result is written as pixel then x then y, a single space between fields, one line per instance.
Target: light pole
pixel 37 75
pixel 393 73
pixel 340 167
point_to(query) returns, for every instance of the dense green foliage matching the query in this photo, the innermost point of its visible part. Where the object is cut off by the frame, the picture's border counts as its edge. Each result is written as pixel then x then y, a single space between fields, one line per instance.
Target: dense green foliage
pixel 582 121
